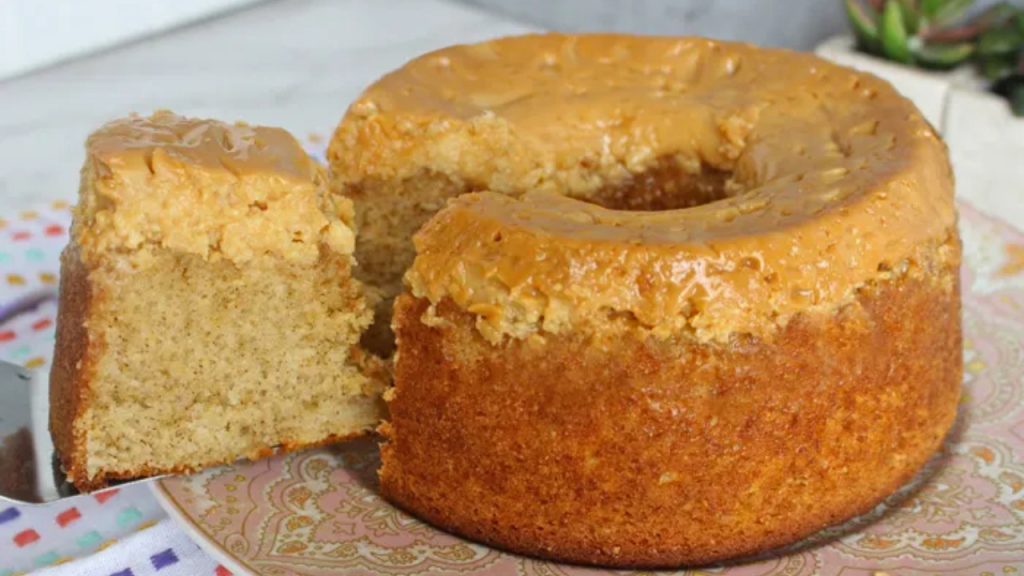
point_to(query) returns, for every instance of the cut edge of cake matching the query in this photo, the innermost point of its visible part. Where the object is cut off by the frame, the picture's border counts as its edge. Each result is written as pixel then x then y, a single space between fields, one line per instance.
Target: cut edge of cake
pixel 207 311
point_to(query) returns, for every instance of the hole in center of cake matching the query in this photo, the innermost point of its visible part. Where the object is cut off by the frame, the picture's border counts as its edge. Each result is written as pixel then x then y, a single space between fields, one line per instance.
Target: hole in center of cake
pixel 668 185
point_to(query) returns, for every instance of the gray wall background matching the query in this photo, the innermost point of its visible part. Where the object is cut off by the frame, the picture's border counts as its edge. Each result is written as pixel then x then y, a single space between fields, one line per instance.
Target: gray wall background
pixel 799 24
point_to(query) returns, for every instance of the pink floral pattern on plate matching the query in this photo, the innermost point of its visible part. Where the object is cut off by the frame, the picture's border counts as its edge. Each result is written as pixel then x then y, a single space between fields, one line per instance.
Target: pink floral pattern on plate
pixel 319 513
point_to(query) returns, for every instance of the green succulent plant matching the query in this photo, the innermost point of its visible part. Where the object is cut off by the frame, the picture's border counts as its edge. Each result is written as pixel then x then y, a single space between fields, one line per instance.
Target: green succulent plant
pixel 1001 56
pixel 905 30
pixel 937 34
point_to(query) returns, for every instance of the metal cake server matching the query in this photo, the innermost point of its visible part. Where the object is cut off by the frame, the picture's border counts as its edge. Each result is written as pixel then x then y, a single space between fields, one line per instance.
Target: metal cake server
pixel 30 472
pixel 26 452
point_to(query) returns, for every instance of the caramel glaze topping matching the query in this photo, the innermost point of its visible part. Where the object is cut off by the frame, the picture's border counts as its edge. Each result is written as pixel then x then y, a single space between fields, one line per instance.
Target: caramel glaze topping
pixel 208 188
pixel 836 181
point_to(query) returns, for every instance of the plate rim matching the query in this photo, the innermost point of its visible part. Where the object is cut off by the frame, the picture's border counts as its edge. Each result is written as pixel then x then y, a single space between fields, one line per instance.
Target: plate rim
pixel 237 566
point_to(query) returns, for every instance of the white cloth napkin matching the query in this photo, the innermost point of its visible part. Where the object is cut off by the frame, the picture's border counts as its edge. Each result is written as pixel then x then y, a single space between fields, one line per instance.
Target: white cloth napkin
pixel 161 550
pixel 116 532
pixel 119 532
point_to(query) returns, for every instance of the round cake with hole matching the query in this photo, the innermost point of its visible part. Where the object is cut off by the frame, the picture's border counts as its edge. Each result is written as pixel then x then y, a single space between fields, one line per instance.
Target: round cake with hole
pixel 675 300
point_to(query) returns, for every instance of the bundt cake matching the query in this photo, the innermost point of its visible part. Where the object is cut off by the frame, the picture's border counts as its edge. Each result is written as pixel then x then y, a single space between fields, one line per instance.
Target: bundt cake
pixel 688 300
pixel 207 311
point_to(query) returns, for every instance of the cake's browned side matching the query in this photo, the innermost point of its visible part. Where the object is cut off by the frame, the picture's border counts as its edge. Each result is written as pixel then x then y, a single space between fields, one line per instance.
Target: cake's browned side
pixel 73 364
pixel 657 454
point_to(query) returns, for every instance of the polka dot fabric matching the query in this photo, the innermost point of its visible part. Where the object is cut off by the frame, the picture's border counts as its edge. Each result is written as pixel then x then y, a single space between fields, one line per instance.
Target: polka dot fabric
pixel 118 532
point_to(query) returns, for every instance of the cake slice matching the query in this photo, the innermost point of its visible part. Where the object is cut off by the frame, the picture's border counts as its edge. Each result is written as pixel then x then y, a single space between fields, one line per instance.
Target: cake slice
pixel 207 307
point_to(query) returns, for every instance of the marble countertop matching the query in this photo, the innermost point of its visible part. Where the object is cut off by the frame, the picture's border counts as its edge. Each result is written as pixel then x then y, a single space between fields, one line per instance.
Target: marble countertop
pixel 295 64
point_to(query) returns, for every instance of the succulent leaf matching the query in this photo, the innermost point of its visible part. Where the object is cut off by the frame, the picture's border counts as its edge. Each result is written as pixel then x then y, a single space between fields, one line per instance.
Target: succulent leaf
pixel 1005 40
pixel 863 25
pixel 995 68
pixel 943 56
pixel 1017 99
pixel 1012 87
pixel 995 15
pixel 911 17
pixel 964 33
pixel 948 12
pixel 929 8
pixel 893 33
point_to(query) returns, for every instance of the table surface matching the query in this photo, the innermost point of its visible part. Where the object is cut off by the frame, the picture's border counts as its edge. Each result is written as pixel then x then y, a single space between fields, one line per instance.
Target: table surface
pixel 295 64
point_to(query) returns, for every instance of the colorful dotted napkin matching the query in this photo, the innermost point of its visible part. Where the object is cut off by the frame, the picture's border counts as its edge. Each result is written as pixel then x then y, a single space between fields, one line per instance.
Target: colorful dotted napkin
pixel 118 532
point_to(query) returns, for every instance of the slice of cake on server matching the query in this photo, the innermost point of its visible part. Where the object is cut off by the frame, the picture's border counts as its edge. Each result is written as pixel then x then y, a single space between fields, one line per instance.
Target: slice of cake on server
pixel 207 307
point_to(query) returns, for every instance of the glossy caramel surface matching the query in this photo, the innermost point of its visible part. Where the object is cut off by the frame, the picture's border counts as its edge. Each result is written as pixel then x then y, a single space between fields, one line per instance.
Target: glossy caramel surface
pixel 143 142
pixel 835 180
pixel 205 187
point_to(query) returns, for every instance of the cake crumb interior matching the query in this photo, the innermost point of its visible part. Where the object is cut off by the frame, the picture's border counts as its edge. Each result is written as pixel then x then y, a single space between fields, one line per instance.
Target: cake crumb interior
pixel 668 184
pixel 193 376
pixel 389 213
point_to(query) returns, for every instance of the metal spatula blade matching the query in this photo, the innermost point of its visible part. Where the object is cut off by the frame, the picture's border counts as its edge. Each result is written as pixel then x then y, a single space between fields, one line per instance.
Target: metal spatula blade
pixel 30 472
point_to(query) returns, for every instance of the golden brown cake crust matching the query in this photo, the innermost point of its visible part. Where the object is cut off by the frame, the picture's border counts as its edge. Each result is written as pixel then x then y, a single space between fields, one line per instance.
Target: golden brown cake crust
pixel 73 365
pixel 636 452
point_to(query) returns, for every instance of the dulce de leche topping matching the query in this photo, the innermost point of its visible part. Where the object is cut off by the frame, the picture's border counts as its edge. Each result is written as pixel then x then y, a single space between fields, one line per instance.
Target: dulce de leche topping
pixel 834 181
pixel 208 188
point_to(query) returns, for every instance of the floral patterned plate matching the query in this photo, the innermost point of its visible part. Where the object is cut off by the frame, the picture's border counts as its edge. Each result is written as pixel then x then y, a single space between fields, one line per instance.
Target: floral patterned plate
pixel 319 513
